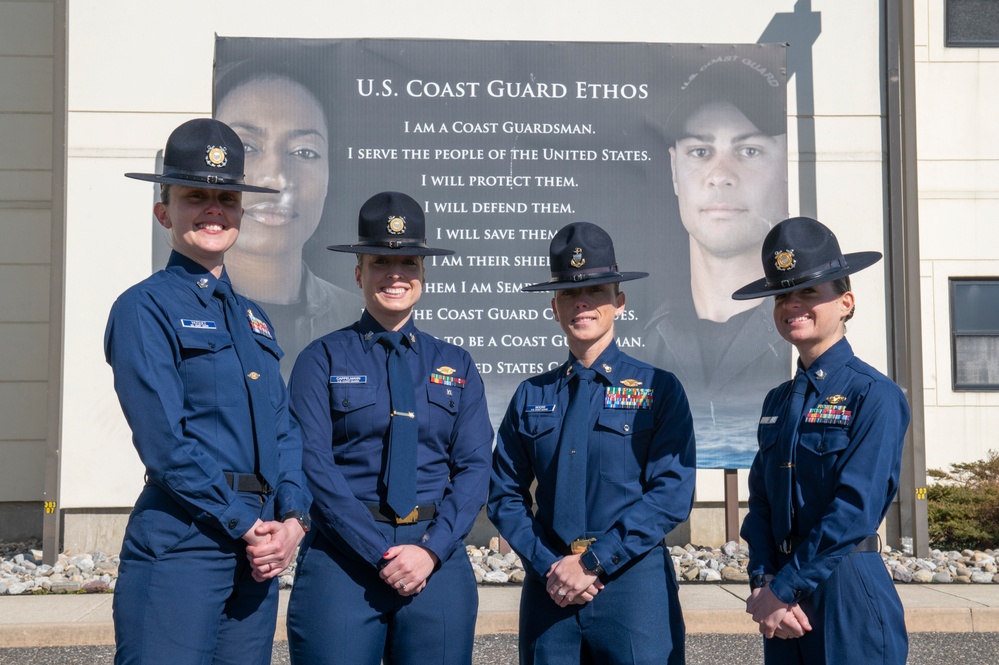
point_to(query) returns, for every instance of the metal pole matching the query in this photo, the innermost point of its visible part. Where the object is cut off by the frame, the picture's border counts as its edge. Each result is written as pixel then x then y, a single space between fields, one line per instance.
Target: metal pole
pixel 908 522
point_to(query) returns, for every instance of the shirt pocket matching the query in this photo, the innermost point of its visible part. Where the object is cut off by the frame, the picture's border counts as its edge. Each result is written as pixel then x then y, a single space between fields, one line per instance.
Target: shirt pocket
pixel 208 367
pixel 623 438
pixel 539 431
pixel 271 356
pixel 818 452
pixel 444 402
pixel 354 420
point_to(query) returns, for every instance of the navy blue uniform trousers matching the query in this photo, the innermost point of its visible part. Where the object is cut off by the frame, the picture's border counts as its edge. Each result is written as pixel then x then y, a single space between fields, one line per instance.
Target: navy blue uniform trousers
pixel 171 560
pixel 341 611
pixel 627 622
pixel 855 615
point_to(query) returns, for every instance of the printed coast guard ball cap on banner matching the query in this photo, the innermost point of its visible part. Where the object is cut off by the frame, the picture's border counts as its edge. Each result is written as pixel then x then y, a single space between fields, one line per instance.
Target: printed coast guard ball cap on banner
pixel 582 254
pixel 391 223
pixel 203 153
pixel 800 252
pixel 752 85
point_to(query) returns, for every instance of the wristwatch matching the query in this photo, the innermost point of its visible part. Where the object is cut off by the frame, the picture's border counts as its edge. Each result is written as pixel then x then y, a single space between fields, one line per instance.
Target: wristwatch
pixel 303 518
pixel 758 581
pixel 591 563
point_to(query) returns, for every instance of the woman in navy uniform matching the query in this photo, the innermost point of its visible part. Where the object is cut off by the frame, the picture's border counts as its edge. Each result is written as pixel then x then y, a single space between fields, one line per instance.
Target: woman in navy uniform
pixel 396 446
pixel 196 369
pixel 610 442
pixel 827 468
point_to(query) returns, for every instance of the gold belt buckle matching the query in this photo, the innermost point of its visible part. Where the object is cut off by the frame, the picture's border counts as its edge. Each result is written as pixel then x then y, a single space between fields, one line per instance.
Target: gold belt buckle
pixel 411 518
pixel 580 545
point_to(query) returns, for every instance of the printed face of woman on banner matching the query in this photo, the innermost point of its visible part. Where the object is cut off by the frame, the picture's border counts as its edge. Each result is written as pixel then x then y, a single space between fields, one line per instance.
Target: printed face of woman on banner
pixel 285 134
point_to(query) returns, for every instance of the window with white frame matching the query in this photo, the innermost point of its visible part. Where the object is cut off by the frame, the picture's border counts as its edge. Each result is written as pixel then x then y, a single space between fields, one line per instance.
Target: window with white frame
pixel 974 326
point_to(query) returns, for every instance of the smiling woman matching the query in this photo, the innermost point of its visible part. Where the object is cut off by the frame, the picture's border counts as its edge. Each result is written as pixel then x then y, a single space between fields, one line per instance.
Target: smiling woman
pixel 270 100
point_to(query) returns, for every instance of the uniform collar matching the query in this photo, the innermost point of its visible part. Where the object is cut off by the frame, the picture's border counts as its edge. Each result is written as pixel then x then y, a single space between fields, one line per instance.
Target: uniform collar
pixel 198 279
pixel 605 365
pixel 370 330
pixel 826 365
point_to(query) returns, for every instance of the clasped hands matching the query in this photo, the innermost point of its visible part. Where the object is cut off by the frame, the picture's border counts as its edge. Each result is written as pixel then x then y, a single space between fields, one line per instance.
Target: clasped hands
pixel 570 584
pixel 775 617
pixel 271 546
pixel 408 568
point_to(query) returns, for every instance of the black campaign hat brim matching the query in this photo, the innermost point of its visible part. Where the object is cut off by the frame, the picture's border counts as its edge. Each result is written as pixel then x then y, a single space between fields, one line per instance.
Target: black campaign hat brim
pixel 856 262
pixel 383 250
pixel 200 183
pixel 607 278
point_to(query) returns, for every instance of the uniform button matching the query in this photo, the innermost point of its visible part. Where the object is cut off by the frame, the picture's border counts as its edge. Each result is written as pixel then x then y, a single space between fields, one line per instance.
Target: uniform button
pixel 616 559
pixel 345 402
pixel 821 447
pixel 627 428
pixel 534 431
pixel 452 404
pixel 232 524
pixel 211 345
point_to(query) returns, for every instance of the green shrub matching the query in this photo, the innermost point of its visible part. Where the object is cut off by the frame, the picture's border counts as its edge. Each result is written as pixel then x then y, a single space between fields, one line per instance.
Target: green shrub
pixel 963 505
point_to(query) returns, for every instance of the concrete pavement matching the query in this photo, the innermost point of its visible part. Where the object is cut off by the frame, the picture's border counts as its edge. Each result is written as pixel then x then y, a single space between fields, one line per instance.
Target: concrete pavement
pixel 74 620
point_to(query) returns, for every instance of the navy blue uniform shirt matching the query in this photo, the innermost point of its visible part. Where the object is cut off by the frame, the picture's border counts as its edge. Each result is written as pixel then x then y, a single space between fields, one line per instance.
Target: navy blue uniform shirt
pixel 846 469
pixel 182 390
pixel 640 462
pixel 340 396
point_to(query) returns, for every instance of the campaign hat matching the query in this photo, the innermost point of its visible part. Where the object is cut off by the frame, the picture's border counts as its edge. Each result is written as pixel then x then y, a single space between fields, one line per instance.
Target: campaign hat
pixel 203 153
pixel 800 252
pixel 582 254
pixel 755 84
pixel 391 223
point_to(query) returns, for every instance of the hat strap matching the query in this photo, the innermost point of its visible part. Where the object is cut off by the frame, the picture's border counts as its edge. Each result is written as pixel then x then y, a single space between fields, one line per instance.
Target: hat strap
pixel 392 244
pixel 837 264
pixel 210 178
pixel 582 277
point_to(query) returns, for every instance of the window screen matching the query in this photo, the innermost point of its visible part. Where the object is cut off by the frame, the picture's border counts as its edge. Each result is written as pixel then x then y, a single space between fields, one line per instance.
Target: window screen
pixel 975 333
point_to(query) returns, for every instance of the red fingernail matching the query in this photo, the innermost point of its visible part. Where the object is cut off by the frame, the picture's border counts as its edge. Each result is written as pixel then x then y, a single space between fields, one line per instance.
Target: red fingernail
pixel 385 556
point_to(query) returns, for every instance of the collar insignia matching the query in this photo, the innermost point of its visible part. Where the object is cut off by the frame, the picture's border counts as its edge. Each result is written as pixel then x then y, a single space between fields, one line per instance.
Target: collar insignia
pixel 216 156
pixel 368 335
pixel 446 371
pixel 631 383
pixel 820 375
pixel 412 338
pixel 396 225
pixel 608 368
pixel 203 283
pixel 568 370
pixel 577 258
pixel 835 399
pixel 784 260
pixel 253 375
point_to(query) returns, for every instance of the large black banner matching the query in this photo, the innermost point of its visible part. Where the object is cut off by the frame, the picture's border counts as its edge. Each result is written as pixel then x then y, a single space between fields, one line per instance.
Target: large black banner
pixel 679 151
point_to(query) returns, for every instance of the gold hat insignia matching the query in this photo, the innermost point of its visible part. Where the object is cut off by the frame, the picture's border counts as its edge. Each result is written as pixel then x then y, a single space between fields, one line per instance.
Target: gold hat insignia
pixel 577 258
pixel 784 259
pixel 396 225
pixel 446 371
pixel 631 383
pixel 836 399
pixel 216 156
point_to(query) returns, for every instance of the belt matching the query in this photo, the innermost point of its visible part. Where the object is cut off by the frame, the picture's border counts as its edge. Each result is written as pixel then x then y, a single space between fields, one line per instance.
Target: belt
pixel 871 543
pixel 247 482
pixel 419 514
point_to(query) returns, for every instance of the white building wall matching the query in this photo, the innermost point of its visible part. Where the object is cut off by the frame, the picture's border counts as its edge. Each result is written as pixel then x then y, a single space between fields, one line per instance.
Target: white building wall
pixel 957 94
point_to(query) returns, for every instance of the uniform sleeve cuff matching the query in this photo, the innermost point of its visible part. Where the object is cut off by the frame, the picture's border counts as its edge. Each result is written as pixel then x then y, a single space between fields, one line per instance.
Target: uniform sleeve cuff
pixel 788 587
pixel 238 519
